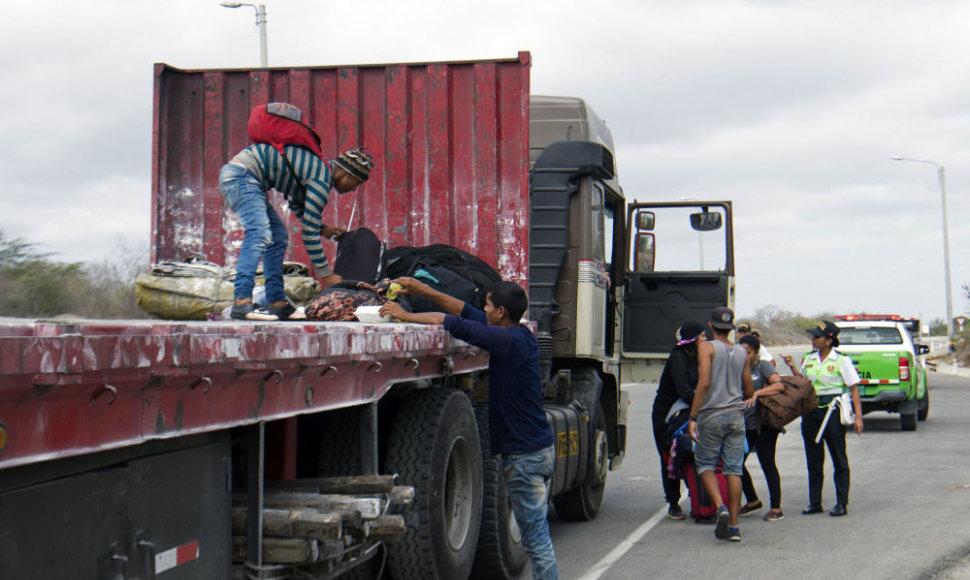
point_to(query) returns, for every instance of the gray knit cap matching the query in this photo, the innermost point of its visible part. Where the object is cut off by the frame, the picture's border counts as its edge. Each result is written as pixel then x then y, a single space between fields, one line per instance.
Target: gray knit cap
pixel 355 162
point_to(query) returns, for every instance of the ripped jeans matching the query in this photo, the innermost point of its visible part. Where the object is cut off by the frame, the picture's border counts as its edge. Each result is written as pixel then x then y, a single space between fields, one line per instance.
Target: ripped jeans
pixel 527 482
pixel 266 235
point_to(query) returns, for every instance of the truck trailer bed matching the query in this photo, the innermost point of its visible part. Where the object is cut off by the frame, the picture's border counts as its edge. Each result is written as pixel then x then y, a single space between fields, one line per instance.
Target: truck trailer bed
pixel 69 387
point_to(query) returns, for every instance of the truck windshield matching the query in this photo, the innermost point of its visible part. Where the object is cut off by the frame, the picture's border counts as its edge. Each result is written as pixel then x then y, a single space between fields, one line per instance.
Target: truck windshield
pixel 870 335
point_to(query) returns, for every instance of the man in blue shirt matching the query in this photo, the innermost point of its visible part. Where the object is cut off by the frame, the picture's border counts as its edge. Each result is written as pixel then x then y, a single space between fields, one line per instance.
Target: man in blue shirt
pixel 517 426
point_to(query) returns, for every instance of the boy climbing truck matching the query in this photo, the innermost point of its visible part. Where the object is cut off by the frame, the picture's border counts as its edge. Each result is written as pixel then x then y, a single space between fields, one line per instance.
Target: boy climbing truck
pixel 258 449
pixel 891 367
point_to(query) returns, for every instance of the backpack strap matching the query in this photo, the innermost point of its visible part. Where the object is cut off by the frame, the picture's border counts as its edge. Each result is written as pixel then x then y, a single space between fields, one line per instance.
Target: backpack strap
pixel 299 200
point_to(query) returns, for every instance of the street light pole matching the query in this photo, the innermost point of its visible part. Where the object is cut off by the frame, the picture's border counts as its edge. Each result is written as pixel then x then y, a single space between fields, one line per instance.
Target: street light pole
pixel 260 26
pixel 941 175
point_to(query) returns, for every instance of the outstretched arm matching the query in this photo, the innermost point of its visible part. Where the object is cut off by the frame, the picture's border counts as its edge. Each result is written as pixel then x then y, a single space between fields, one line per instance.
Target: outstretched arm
pixel 791 364
pixel 415 287
pixel 395 310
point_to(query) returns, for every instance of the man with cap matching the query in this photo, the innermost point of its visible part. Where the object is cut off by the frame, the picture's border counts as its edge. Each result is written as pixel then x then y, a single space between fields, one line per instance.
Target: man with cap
pixel 677 383
pixel 744 329
pixel 717 418
pixel 297 172
pixel 832 373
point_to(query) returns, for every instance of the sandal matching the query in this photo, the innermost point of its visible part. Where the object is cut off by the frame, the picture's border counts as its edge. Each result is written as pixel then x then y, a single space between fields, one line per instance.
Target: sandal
pixel 750 507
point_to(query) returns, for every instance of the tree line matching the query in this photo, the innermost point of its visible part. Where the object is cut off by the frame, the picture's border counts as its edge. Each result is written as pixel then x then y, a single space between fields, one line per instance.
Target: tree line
pixel 35 285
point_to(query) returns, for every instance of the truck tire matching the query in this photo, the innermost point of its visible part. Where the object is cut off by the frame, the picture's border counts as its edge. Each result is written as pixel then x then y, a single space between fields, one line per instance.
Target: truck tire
pixel 583 503
pixel 923 407
pixel 500 554
pixel 434 447
pixel 340 443
pixel 907 421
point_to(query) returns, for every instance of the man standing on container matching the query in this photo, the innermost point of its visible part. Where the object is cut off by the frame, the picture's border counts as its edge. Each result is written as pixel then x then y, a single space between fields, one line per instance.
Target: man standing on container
pixel 717 418
pixel 295 171
pixel 517 426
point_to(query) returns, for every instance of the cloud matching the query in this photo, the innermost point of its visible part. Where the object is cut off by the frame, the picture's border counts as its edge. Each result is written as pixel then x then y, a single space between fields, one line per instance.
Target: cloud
pixel 788 108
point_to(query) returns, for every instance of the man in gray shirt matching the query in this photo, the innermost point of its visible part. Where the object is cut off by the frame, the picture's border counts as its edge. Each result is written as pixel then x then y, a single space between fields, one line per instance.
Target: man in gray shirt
pixel 717 418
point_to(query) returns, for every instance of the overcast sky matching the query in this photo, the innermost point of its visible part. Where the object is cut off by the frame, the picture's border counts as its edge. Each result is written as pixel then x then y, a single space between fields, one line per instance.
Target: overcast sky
pixel 789 109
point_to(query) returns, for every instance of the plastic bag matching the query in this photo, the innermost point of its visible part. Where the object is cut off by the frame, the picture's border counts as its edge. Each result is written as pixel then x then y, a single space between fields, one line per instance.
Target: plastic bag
pixel 846 411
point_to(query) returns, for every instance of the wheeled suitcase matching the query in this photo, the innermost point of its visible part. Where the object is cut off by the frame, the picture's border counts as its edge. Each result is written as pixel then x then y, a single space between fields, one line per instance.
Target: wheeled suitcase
pixel 702 508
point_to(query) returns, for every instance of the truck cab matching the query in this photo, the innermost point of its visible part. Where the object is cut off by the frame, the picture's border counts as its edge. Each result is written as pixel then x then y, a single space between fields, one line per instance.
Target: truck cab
pixel 609 281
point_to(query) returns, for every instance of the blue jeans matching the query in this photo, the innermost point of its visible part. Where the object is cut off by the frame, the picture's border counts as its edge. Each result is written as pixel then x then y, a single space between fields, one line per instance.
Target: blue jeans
pixel 720 436
pixel 527 482
pixel 266 235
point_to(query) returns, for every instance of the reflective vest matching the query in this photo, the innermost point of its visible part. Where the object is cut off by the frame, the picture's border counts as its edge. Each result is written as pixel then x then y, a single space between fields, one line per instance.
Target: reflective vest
pixel 825 375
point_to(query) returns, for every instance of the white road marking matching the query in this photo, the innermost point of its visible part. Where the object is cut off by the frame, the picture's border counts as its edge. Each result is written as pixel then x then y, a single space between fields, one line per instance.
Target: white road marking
pixel 618 552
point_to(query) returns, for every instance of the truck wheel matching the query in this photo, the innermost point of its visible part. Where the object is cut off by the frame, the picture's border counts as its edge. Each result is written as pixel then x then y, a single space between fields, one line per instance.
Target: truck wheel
pixel 340 443
pixel 434 447
pixel 500 554
pixel 923 408
pixel 907 421
pixel 583 503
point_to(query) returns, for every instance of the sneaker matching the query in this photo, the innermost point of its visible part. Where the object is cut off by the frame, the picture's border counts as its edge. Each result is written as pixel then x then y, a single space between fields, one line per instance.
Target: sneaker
pixel 722 523
pixel 774 515
pixel 287 312
pixel 249 311
pixel 675 513
pixel 734 534
pixel 750 507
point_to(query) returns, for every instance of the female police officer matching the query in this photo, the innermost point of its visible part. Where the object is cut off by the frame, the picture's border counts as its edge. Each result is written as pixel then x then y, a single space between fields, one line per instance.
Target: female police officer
pixel 832 373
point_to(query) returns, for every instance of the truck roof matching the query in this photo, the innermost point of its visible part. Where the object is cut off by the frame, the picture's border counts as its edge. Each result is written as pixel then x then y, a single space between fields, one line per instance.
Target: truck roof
pixel 554 119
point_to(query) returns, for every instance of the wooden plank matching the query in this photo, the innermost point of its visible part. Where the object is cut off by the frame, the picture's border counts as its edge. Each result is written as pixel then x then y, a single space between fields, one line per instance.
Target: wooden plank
pixel 402 496
pixel 279 550
pixel 304 523
pixel 388 527
pixel 351 485
pixel 369 508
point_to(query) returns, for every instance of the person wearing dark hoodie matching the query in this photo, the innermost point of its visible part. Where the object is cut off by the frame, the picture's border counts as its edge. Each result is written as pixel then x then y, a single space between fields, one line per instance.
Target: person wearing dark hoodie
pixel 677 383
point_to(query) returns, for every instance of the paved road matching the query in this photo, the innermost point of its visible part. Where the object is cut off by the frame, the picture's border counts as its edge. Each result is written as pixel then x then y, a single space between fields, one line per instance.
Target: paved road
pixel 909 509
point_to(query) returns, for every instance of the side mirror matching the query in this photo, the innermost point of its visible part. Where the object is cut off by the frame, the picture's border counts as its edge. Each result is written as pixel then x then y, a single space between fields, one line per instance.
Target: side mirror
pixel 922 349
pixel 646 253
pixel 706 221
pixel 646 220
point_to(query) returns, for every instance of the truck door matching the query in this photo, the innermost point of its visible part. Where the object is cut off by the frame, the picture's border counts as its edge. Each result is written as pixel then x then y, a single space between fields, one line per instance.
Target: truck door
pixel 680 266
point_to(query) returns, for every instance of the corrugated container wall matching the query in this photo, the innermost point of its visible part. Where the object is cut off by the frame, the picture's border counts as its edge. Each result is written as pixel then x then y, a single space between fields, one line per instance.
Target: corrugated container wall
pixel 450 142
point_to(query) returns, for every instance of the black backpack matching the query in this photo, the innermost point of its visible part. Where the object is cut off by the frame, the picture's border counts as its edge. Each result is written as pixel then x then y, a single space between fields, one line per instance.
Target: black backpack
pixel 361 256
pixel 446 269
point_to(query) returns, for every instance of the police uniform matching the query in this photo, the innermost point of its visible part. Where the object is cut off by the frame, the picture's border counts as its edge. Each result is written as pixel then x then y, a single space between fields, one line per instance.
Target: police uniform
pixel 831 377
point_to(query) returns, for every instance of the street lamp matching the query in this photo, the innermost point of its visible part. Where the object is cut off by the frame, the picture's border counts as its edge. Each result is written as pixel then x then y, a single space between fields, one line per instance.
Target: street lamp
pixel 260 25
pixel 941 175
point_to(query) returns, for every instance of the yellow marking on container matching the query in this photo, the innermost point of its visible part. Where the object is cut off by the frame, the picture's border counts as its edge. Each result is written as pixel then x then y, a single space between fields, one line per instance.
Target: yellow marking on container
pixel 574 442
pixel 561 445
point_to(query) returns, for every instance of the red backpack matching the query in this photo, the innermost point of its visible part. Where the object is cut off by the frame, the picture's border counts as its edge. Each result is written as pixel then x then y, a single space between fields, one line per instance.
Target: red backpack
pixel 280 124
